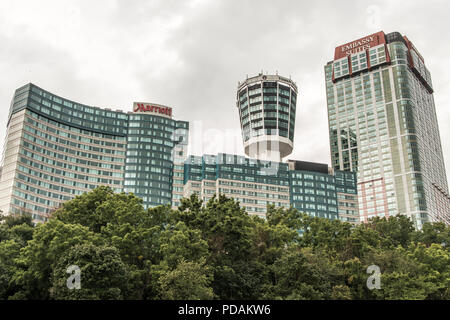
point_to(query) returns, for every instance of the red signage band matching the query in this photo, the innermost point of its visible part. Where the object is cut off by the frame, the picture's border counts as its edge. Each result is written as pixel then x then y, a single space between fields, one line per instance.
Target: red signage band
pixel 359 45
pixel 151 108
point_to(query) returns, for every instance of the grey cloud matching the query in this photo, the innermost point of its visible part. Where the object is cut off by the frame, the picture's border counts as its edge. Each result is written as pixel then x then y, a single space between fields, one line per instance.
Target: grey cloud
pixel 191 55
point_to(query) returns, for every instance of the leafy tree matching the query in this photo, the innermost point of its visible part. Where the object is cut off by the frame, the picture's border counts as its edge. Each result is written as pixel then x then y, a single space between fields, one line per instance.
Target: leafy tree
pixel 9 253
pixel 341 292
pixel 16 226
pixel 215 250
pixel 401 276
pixel 188 281
pixel 395 230
pixel 178 244
pixel 103 274
pixel 434 267
pixel 331 235
pixel 101 207
pixel 122 222
pixel 437 233
pixel 229 231
pixel 300 274
pixel 15 231
pixel 355 278
pixel 230 234
pixel 290 218
pixel 181 243
pixel 17 219
pixel 50 242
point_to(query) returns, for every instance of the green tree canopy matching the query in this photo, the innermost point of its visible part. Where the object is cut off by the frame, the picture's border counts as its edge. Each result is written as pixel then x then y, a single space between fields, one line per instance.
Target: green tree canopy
pixel 216 250
pixel 103 275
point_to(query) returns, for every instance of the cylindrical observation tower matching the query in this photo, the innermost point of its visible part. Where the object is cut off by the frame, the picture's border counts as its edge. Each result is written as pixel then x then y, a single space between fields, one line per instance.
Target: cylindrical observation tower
pixel 267 105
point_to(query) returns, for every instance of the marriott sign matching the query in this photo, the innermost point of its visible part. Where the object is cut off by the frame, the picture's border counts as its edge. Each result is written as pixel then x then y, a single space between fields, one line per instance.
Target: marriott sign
pixel 160 110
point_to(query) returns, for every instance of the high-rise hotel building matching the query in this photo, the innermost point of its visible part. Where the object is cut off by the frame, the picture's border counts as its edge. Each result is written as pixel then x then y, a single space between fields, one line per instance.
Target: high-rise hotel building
pixel 312 188
pixel 383 125
pixel 56 149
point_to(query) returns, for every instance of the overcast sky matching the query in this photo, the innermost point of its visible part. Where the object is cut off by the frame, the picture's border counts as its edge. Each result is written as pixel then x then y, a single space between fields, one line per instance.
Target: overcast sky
pixel 191 54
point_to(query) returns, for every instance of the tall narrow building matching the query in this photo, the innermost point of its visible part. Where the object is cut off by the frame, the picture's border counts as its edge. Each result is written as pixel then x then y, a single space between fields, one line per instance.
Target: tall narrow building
pixel 383 125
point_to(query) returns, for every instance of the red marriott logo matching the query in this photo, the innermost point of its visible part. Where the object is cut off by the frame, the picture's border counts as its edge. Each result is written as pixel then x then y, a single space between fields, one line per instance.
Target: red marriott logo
pixel 143 107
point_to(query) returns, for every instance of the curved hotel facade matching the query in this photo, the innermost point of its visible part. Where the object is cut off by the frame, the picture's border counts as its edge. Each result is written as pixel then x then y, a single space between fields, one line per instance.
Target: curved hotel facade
pixel 56 149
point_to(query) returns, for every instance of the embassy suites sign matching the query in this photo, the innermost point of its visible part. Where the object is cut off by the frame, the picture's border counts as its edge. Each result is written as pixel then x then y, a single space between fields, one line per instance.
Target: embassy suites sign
pixel 159 110
pixel 359 45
